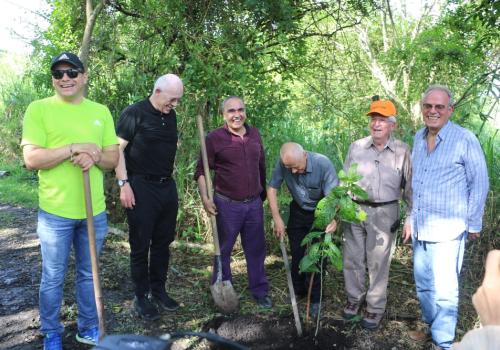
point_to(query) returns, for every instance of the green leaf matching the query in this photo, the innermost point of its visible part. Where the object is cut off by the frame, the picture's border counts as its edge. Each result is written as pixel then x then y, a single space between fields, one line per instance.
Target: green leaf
pixel 307 264
pixel 361 216
pixel 314 250
pixel 328 238
pixel 311 236
pixel 359 192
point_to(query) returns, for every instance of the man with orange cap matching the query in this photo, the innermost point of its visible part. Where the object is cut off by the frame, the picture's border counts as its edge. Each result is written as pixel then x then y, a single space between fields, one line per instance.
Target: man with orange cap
pixel 384 163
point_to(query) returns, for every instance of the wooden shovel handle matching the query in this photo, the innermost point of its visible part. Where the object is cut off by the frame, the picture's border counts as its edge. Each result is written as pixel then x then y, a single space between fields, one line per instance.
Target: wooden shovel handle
pixel 93 254
pixel 290 288
pixel 208 181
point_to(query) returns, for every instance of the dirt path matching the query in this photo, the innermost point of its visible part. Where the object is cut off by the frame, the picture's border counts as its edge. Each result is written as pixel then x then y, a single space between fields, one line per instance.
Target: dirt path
pixel 19 278
pixel 20 263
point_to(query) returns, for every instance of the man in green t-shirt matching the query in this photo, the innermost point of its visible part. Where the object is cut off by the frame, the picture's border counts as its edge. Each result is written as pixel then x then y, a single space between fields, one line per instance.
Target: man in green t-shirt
pixel 64 135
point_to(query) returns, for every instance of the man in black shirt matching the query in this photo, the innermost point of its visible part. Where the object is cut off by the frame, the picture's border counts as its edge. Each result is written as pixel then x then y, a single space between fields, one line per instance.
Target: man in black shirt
pixel 147 133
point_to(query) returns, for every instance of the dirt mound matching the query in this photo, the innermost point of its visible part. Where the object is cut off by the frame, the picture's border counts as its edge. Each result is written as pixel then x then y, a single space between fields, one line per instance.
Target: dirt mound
pixel 259 333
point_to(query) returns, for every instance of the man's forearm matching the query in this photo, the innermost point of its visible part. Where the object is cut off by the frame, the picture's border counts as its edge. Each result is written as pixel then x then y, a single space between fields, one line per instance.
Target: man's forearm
pixel 36 157
pixel 202 187
pixel 109 159
pixel 272 198
pixel 121 168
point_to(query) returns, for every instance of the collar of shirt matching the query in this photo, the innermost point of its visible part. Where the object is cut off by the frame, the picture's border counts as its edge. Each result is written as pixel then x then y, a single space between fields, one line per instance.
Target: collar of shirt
pixel 245 125
pixel 445 130
pixel 390 143
pixel 309 165
pixel 154 111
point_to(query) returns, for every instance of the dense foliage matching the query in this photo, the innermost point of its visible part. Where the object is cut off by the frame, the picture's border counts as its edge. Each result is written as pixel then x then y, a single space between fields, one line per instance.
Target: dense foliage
pixel 307 69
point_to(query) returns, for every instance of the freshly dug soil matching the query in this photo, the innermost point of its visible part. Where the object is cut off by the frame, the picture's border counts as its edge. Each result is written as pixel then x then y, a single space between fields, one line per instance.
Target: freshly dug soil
pixel 262 334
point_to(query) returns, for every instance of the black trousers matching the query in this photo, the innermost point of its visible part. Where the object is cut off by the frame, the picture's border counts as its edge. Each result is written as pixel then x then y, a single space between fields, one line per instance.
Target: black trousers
pixel 299 225
pixel 151 230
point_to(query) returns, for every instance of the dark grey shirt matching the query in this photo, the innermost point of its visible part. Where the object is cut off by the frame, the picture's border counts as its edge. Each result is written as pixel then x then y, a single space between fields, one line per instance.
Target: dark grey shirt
pixel 309 188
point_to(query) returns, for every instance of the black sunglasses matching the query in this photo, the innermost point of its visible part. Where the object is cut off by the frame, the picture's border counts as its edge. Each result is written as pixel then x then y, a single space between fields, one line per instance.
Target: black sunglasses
pixel 71 73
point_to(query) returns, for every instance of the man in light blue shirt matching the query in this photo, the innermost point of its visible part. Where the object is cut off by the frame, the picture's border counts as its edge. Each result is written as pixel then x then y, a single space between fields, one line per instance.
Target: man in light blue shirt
pixel 309 177
pixel 450 185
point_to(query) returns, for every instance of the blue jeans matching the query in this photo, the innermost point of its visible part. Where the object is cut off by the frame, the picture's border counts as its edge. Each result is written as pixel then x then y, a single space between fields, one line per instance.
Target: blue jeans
pixel 57 235
pixel 437 268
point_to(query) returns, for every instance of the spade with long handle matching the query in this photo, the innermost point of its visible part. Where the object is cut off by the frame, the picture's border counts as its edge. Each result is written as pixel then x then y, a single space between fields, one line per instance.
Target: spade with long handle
pixel 93 255
pixel 223 293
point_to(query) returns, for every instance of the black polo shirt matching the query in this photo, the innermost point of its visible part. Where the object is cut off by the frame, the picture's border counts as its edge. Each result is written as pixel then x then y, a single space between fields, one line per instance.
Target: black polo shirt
pixel 152 139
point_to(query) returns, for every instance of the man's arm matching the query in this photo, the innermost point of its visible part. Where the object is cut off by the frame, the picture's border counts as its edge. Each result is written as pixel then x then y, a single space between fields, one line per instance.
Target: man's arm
pixel 109 158
pixel 279 225
pixel 262 170
pixel 330 181
pixel 407 195
pixel 208 204
pixel 127 197
pixel 36 157
pixel 477 185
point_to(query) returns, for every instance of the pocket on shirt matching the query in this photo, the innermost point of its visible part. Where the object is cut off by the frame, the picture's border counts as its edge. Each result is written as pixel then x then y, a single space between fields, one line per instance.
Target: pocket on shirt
pixel 314 193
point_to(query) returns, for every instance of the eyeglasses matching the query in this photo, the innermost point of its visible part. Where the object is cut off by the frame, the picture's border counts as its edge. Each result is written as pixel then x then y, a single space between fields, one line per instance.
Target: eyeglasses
pixel 71 73
pixel 438 108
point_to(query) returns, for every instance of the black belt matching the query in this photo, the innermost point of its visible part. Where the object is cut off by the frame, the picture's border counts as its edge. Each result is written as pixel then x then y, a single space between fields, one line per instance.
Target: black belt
pixel 375 204
pixel 154 178
pixel 246 200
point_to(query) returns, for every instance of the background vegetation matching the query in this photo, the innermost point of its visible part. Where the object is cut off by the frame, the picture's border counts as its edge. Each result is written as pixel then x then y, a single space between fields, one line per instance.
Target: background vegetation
pixel 306 69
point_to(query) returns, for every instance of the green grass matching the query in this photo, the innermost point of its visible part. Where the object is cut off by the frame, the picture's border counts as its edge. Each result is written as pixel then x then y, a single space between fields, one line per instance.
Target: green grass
pixel 20 187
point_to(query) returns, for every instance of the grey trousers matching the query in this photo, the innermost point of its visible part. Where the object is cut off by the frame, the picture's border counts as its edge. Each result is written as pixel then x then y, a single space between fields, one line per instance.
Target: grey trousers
pixel 367 246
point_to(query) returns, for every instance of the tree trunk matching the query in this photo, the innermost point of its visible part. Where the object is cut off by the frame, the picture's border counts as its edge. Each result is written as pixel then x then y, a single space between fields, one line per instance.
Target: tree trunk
pixel 91 14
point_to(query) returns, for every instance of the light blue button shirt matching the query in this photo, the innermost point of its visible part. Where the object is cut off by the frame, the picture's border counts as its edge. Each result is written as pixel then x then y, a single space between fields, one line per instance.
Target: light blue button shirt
pixel 308 188
pixel 450 184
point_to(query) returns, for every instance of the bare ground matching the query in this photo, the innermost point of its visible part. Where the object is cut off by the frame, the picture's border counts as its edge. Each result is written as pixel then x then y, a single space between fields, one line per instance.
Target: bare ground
pixel 20 263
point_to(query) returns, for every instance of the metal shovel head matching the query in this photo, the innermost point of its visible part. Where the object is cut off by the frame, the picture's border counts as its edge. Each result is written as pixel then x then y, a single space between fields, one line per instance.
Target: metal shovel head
pixel 225 297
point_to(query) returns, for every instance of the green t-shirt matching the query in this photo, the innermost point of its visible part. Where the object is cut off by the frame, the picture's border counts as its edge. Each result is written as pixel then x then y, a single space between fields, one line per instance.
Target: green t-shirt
pixel 52 123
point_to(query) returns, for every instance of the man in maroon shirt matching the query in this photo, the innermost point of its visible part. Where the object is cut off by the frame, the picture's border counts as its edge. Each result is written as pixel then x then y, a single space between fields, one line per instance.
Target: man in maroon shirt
pixel 236 156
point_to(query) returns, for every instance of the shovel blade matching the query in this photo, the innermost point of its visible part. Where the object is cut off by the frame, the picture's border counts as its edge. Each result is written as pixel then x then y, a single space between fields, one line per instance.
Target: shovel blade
pixel 225 297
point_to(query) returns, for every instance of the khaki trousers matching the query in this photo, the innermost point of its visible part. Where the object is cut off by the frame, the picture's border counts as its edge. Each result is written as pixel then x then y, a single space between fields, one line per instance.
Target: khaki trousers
pixel 367 246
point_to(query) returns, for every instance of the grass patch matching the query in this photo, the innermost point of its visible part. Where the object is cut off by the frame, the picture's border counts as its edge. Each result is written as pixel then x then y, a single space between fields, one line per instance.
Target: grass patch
pixel 19 187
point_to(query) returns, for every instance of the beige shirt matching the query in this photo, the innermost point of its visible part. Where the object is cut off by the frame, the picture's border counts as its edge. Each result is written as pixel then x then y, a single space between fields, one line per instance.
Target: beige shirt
pixel 386 174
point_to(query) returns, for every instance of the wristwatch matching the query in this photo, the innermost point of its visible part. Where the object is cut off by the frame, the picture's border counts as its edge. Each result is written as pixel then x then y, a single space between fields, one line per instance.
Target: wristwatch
pixel 122 183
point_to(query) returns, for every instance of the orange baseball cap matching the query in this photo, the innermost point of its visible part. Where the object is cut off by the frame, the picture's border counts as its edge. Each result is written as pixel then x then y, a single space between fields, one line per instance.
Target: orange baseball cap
pixel 383 107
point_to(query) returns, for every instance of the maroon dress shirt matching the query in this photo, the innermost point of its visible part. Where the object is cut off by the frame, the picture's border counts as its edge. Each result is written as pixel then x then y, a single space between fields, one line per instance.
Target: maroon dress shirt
pixel 238 163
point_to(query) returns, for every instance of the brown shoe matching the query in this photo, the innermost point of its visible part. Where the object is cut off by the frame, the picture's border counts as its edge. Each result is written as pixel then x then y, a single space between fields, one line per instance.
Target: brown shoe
pixel 350 311
pixel 371 321
pixel 419 335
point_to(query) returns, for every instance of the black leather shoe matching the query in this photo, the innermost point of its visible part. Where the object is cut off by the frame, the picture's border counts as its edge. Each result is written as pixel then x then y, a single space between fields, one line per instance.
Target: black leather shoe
pixel 264 302
pixel 145 308
pixel 165 302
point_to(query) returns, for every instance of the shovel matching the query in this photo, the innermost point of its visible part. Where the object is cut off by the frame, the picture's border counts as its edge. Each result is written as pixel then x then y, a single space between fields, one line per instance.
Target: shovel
pixel 290 288
pixel 223 293
pixel 93 255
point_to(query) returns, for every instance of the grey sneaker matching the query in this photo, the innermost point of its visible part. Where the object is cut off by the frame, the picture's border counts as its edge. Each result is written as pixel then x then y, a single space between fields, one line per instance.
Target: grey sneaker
pixel 371 321
pixel 350 311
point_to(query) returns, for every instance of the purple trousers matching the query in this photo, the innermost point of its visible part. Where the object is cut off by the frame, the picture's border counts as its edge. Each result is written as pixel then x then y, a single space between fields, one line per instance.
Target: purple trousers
pixel 247 219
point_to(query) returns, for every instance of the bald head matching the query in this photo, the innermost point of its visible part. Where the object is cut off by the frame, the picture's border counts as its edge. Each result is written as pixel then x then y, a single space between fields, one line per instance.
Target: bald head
pixel 293 157
pixel 167 93
pixel 169 81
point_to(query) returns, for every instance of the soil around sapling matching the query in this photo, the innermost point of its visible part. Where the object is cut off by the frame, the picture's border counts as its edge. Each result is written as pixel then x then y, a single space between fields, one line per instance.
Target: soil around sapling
pixel 189 272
